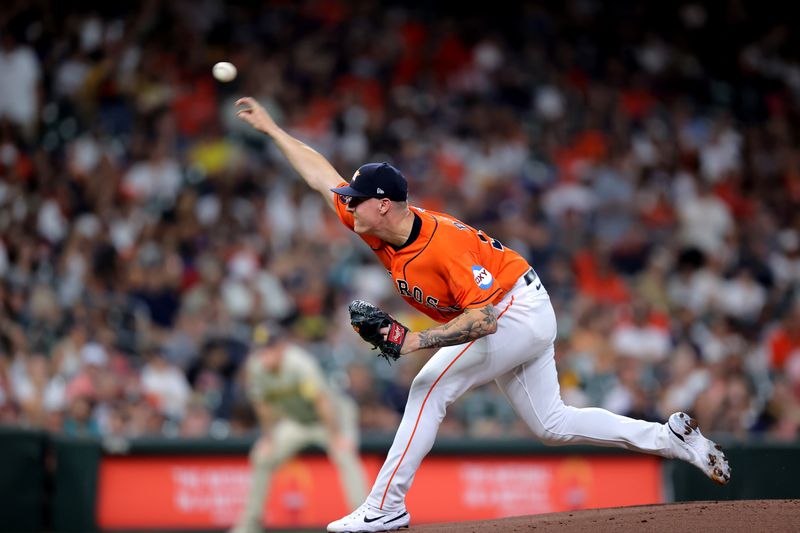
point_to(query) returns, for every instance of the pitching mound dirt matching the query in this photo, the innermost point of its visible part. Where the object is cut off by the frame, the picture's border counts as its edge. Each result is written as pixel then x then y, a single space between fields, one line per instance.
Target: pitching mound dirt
pixel 743 516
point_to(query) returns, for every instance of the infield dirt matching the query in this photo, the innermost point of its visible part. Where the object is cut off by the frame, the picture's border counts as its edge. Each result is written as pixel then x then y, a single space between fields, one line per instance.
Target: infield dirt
pixel 742 516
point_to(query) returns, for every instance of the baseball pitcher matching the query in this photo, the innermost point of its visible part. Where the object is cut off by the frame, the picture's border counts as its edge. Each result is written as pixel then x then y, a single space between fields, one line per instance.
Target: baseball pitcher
pixel 497 324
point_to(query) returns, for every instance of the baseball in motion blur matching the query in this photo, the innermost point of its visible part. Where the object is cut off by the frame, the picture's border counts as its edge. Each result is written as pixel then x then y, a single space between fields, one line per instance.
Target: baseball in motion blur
pixel 224 71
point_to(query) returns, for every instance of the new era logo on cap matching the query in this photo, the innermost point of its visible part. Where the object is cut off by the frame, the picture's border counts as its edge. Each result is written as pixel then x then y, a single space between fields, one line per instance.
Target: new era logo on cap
pixel 376 180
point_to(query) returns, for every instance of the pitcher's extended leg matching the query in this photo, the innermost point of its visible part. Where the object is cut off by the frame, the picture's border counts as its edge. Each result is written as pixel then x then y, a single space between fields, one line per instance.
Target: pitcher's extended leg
pixel 533 390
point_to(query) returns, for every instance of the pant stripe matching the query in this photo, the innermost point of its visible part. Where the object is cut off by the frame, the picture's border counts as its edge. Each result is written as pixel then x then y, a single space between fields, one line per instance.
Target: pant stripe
pixel 419 416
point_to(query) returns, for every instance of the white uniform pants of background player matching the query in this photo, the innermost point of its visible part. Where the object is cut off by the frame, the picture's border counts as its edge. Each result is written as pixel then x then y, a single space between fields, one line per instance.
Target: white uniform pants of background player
pixel 519 357
pixel 290 437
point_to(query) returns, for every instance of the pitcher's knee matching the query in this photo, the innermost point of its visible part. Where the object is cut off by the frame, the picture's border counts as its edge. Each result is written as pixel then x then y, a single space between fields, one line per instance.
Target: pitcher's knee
pixel 550 430
pixel 424 380
pixel 549 438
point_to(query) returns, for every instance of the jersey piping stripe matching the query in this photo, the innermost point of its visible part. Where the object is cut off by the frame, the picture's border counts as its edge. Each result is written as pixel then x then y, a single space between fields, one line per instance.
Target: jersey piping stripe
pixel 422 407
pixel 423 248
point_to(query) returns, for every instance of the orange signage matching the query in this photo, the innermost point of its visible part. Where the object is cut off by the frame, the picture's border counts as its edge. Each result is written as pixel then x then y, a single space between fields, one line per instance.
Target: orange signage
pixel 208 492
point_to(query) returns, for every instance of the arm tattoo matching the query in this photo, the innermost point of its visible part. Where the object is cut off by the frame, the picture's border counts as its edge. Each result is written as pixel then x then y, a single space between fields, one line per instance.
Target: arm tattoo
pixel 469 325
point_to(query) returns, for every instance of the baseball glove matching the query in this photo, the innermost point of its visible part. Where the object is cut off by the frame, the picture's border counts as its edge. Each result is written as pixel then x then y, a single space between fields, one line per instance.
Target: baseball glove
pixel 368 320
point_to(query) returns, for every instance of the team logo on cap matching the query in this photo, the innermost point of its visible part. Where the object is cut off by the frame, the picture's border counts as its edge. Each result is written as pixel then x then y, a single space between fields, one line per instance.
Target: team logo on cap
pixel 357 174
pixel 483 278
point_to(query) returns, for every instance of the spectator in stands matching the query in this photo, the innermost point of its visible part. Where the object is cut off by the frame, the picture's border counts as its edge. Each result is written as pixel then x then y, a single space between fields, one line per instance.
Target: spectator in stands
pixel 19 86
pixel 166 383
pixel 642 335
pixel 783 343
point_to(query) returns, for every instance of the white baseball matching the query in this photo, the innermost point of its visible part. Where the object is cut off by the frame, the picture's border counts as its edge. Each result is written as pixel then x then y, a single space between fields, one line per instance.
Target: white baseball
pixel 224 71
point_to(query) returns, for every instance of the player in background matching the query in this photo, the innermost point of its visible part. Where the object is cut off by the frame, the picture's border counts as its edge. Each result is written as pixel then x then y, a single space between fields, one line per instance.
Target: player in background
pixel 295 407
pixel 497 323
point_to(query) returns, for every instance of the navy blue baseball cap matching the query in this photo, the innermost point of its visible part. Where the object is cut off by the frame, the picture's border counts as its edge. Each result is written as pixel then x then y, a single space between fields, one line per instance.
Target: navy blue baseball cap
pixel 376 180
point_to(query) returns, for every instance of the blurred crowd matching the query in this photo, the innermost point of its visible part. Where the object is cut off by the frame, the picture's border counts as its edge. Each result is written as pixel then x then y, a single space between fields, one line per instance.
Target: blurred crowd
pixel 644 157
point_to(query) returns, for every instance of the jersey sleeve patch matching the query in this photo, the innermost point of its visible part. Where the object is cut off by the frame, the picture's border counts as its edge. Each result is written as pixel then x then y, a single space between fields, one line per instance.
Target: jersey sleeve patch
pixel 483 278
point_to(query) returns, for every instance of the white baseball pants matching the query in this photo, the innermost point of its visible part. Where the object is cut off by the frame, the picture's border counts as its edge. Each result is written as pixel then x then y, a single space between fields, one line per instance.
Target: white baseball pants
pixel 519 357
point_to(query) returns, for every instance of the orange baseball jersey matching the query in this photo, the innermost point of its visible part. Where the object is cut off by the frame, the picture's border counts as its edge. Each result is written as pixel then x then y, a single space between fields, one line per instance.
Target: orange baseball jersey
pixel 447 267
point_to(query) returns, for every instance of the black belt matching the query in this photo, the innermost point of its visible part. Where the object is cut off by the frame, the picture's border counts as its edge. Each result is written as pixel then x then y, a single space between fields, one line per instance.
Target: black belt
pixel 530 276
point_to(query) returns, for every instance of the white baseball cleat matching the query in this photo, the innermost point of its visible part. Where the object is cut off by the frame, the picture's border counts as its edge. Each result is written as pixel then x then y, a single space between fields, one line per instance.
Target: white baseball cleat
pixel 367 519
pixel 703 453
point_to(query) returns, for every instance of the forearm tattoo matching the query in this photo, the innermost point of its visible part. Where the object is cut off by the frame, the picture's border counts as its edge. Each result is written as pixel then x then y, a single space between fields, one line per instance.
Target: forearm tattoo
pixel 470 325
